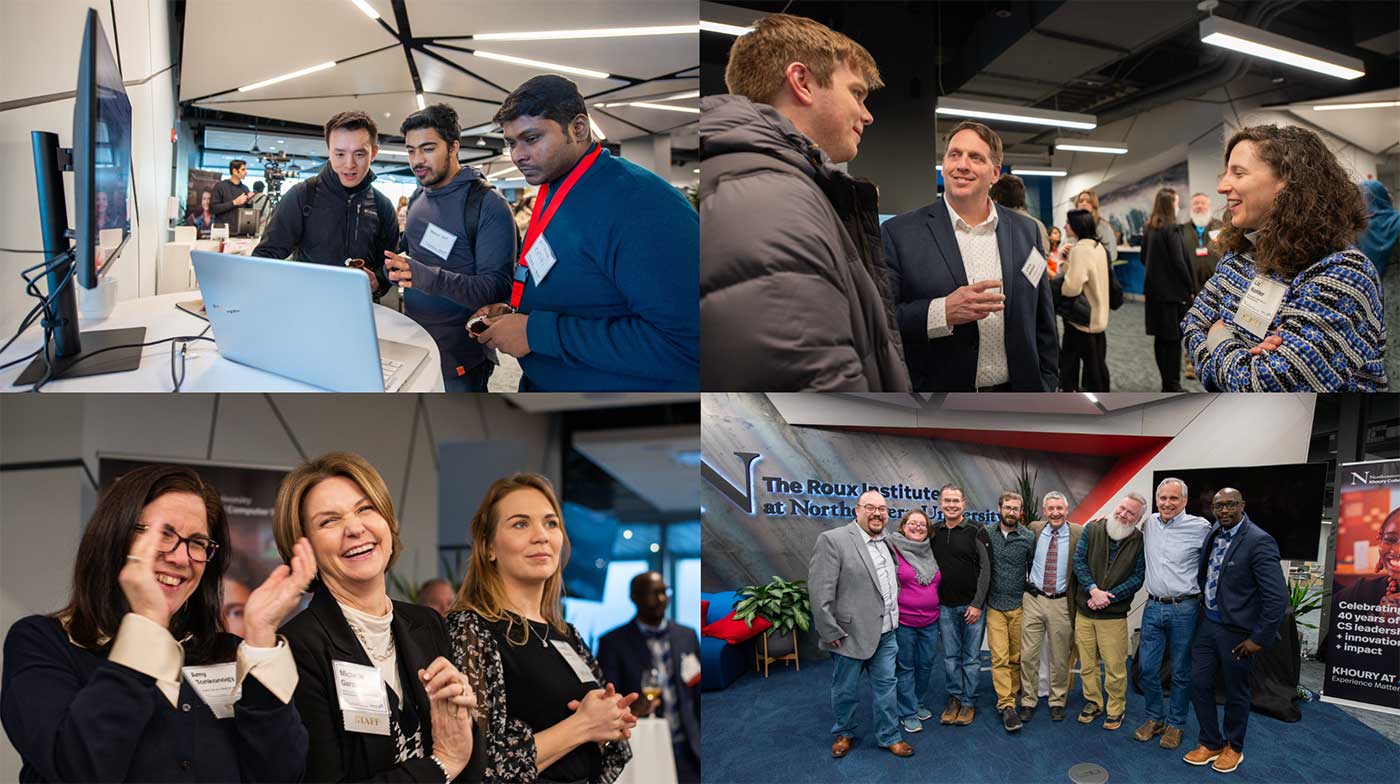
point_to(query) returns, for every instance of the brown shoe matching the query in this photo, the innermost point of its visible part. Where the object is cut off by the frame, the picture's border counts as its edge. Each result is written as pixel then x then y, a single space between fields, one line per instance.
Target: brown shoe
pixel 1228 760
pixel 950 713
pixel 1149 730
pixel 840 746
pixel 901 749
pixel 1171 738
pixel 965 714
pixel 1202 755
pixel 1111 722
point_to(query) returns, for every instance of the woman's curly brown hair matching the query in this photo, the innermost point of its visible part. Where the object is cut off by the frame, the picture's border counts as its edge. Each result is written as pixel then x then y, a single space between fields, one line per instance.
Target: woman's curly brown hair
pixel 1319 211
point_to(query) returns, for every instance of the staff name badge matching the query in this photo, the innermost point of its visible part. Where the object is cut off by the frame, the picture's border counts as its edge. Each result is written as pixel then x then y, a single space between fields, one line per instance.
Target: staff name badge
pixel 1034 267
pixel 1259 305
pixel 690 669
pixel 437 241
pixel 574 661
pixel 216 684
pixel 540 259
pixel 363 697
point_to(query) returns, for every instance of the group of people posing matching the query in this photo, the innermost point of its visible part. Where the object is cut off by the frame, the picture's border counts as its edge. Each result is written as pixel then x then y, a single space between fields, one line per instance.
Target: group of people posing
pixel 802 288
pixel 887 602
pixel 136 678
pixel 596 292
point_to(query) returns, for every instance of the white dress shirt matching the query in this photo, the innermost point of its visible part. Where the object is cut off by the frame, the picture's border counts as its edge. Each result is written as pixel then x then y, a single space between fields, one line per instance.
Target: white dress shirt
pixel 885 578
pixel 981 260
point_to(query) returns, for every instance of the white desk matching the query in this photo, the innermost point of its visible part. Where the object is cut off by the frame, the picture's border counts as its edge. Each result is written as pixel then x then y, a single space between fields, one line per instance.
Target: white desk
pixel 653 757
pixel 205 370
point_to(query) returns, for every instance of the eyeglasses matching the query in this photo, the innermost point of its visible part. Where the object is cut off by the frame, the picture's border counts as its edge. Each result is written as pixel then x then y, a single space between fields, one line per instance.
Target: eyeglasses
pixel 872 509
pixel 1225 504
pixel 200 549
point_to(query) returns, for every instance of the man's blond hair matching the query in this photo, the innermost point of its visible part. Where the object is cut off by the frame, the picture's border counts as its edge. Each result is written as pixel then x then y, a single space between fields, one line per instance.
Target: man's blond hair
pixel 758 60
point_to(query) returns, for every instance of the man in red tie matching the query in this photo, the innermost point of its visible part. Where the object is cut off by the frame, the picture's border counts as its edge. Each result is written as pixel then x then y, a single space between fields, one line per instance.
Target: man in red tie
pixel 1046 611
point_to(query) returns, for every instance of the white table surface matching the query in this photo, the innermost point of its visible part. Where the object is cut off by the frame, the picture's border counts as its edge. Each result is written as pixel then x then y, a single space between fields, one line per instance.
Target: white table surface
pixel 205 369
pixel 653 757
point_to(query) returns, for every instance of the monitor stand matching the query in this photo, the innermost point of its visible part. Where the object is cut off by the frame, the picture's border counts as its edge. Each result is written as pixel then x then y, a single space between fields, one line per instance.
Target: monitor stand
pixel 117 360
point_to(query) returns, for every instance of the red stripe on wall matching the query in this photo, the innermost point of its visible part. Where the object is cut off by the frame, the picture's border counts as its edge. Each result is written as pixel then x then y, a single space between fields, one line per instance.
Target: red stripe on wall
pixel 1116 480
pixel 1070 443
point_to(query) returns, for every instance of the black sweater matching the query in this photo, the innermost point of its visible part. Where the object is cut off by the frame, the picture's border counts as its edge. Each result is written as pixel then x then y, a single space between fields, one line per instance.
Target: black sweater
pixel 221 202
pixel 964 558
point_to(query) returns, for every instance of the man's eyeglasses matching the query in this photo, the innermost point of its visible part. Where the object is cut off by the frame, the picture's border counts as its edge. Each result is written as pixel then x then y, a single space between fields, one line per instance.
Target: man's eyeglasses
pixel 1225 504
pixel 872 509
pixel 200 549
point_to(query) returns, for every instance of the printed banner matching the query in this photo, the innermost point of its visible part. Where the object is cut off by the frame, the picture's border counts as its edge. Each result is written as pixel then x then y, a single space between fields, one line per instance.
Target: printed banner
pixel 1363 640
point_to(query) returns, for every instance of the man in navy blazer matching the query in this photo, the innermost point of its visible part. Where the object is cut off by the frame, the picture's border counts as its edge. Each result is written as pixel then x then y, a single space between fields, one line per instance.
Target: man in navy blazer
pixel 1244 600
pixel 651 641
pixel 972 301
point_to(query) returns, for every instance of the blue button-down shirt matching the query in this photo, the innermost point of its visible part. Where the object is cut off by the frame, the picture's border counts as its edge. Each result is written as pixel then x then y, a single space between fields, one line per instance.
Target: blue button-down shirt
pixel 1042 549
pixel 1173 549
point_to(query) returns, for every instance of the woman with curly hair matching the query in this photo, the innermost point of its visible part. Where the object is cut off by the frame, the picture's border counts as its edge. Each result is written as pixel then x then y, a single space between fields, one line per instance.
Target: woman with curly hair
pixel 1293 305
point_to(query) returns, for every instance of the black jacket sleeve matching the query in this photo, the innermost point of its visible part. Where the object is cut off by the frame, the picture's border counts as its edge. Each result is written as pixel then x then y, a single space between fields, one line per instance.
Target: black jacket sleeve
pixel 66 729
pixel 283 233
pixel 386 239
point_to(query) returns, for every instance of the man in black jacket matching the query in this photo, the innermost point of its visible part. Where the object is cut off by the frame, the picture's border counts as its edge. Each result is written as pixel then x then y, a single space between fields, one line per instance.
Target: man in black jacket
pixel 336 217
pixel 230 194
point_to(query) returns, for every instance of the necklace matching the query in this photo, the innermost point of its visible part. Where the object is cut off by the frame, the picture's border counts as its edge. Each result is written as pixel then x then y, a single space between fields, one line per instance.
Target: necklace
pixel 544 641
pixel 362 636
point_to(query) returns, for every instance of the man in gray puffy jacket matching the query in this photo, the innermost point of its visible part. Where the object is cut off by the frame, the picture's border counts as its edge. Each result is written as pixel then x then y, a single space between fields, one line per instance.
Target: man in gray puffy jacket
pixel 792 285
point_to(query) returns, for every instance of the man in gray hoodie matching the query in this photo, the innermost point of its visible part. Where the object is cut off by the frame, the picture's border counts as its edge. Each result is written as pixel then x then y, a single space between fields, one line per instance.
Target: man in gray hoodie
pixel 792 284
pixel 461 242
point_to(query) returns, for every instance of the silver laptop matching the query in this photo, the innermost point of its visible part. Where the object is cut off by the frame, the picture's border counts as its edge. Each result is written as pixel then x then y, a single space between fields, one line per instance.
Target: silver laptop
pixel 309 322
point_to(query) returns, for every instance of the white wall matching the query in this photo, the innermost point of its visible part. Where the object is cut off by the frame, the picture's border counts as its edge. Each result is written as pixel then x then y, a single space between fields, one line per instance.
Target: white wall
pixel 39 48
pixel 42 511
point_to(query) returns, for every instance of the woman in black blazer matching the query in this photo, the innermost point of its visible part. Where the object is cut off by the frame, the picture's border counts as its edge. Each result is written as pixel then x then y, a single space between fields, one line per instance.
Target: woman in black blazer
pixel 123 683
pixel 380 699
pixel 1168 287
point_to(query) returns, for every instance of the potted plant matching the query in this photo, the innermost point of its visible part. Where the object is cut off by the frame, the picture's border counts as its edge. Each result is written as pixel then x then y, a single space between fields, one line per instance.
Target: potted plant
pixel 1025 485
pixel 786 605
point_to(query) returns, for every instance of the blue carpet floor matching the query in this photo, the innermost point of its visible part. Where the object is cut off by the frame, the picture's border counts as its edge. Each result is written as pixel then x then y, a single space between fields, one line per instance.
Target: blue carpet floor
pixel 779 730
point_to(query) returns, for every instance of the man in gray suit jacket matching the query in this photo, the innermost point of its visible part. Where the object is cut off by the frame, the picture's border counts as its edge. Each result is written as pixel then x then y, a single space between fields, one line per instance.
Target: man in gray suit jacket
pixel 855 611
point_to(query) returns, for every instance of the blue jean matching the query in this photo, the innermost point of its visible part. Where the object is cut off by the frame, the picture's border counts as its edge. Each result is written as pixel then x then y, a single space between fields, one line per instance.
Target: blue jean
pixel 845 691
pixel 914 667
pixel 962 647
pixel 1167 629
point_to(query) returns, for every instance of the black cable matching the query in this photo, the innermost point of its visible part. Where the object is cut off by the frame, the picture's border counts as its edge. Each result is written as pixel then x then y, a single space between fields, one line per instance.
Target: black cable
pixel 12 362
pixel 186 338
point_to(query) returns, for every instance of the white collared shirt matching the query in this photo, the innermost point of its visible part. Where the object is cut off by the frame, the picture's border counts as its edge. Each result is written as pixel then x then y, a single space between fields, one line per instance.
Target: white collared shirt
pixel 981 258
pixel 885 578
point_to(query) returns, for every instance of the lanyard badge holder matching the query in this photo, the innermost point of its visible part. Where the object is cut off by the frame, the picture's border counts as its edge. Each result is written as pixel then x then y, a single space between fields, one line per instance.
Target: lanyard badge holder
pixel 539 220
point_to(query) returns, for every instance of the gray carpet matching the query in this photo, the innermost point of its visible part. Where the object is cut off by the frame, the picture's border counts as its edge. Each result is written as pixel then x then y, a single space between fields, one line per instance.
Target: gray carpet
pixel 1131 365
pixel 1386 724
pixel 1390 292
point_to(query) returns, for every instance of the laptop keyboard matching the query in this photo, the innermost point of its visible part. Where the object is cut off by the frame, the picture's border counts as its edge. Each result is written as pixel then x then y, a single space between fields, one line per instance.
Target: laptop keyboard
pixel 390 369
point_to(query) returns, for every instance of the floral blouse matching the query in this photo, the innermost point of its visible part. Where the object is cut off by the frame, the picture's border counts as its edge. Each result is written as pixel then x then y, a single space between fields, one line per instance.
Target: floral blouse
pixel 509 741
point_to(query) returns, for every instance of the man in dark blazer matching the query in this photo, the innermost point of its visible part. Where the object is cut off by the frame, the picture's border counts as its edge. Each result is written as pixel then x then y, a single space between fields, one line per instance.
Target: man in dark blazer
pixel 1245 599
pixel 972 301
pixel 651 641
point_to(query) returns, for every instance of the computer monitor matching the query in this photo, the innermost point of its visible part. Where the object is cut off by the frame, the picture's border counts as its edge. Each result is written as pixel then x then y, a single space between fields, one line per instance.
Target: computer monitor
pixel 1286 500
pixel 101 163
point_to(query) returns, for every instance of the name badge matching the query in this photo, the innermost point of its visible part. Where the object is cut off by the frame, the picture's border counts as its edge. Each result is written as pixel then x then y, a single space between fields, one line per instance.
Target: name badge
pixel 1214 234
pixel 363 697
pixel 215 685
pixel 690 669
pixel 1259 305
pixel 437 241
pixel 540 259
pixel 1202 251
pixel 574 661
pixel 1034 267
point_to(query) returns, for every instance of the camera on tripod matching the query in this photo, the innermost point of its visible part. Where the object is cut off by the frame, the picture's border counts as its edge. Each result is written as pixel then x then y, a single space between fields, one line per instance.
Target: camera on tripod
pixel 277 166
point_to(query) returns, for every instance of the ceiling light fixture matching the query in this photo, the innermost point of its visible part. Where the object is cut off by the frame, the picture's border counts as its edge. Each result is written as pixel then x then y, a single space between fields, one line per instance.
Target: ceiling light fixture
pixel 596 130
pixel 986 110
pixel 1092 398
pixel 681 96
pixel 501 173
pixel 1332 107
pixel 727 29
pixel 505 58
pixel 1270 46
pixel 599 32
pixel 366 8
pixel 1038 172
pixel 284 77
pixel 1086 145
pixel 664 107
pixel 422 103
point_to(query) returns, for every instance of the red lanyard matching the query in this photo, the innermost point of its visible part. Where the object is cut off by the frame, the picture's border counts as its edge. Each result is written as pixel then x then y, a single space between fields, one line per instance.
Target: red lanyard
pixel 538 222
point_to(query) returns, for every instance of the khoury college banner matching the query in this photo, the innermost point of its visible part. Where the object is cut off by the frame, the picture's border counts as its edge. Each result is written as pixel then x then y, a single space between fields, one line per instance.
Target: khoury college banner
pixel 1363 641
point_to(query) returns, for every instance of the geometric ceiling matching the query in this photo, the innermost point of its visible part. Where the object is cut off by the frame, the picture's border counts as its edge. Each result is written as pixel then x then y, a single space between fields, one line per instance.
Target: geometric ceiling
pixel 429 46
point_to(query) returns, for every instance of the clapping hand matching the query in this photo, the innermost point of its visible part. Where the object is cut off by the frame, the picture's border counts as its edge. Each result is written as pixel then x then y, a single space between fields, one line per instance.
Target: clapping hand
pixel 278 596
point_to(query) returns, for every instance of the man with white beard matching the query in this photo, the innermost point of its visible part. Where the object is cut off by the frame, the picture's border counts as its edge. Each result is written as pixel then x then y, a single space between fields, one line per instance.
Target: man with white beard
pixel 1110 568
pixel 1197 234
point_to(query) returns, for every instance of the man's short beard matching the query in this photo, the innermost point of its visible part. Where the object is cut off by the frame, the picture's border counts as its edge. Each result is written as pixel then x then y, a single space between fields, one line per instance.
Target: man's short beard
pixel 1118 531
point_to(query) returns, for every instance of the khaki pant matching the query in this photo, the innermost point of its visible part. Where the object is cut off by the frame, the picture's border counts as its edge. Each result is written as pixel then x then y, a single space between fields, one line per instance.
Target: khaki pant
pixel 1106 640
pixel 1043 618
pixel 1004 640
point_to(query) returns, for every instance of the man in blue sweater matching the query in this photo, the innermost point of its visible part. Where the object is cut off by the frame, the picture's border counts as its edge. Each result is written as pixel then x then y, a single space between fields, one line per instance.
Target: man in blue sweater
pixel 460 238
pixel 605 292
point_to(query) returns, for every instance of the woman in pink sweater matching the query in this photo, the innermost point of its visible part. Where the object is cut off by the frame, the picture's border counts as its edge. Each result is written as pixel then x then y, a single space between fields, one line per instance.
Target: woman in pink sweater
pixel 917 634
